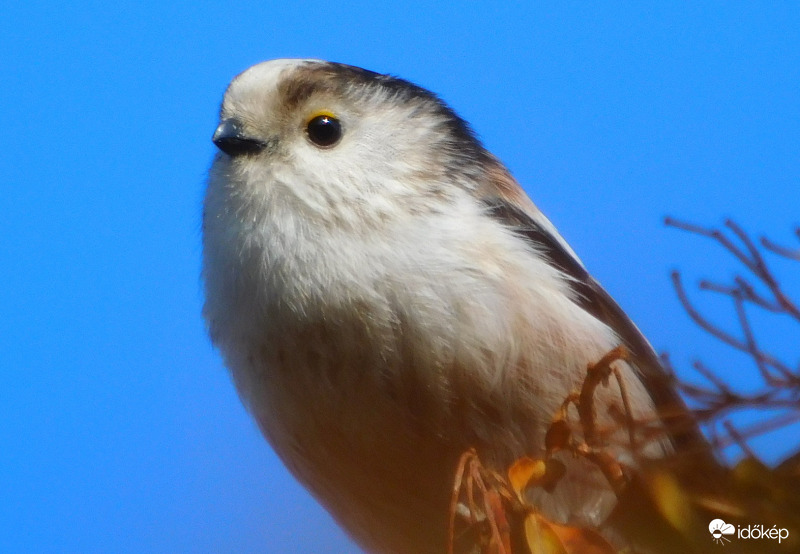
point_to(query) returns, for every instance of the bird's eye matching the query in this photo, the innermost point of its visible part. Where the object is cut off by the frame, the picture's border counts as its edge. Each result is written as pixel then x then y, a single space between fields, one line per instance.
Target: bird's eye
pixel 324 130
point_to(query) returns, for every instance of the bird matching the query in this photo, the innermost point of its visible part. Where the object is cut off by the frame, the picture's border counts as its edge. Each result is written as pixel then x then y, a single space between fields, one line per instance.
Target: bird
pixel 386 296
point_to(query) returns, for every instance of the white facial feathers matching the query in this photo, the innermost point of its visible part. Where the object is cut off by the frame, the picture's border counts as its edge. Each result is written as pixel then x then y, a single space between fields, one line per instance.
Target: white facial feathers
pixel 386 296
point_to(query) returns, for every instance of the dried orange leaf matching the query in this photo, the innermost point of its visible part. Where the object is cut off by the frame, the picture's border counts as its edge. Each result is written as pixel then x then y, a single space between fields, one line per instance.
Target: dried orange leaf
pixel 523 471
pixel 750 471
pixel 540 536
pixel 671 500
pixel 581 541
pixel 545 537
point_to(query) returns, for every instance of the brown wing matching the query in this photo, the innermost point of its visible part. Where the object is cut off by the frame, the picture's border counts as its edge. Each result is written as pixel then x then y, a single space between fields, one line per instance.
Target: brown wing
pixel 590 296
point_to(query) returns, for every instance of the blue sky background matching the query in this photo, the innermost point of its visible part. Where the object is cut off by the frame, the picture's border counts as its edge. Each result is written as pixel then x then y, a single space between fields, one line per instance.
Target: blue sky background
pixel 119 428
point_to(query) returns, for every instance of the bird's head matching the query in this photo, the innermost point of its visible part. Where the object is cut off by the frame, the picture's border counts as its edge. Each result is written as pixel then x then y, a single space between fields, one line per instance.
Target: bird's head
pixel 338 142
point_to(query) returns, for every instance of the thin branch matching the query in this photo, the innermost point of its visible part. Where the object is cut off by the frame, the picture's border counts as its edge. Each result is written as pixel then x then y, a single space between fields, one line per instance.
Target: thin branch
pixel 754 262
pixel 711 376
pixel 781 390
pixel 782 250
pixel 710 233
pixel 630 423
pixel 755 352
pixel 759 267
pixel 724 336
pixel 760 428
pixel 596 373
pixel 743 288
pixel 739 439
pixel 699 319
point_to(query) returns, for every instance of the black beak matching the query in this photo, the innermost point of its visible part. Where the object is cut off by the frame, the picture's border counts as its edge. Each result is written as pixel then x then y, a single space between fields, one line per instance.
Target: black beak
pixel 231 139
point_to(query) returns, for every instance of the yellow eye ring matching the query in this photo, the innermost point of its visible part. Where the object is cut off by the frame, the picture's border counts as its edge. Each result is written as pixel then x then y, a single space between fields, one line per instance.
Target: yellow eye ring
pixel 323 129
pixel 318 113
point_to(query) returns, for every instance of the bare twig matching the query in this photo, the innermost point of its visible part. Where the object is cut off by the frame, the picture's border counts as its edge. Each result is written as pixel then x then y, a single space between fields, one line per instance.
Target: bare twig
pixel 754 261
pixel 761 358
pixel 782 250
pixel 596 373
pixel 757 429
pixel 739 439
pixel 781 388
pixel 630 423
pixel 486 496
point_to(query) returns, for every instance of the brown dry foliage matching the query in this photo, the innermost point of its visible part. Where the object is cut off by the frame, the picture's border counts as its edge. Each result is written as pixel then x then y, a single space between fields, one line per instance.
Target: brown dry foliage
pixel 663 505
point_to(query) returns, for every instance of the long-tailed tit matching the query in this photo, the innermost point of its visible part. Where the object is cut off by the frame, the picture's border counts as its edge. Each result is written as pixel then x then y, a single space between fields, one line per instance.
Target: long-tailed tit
pixel 386 296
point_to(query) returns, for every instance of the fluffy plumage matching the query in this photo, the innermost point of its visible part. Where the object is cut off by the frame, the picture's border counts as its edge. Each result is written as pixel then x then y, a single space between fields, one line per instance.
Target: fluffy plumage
pixel 388 301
